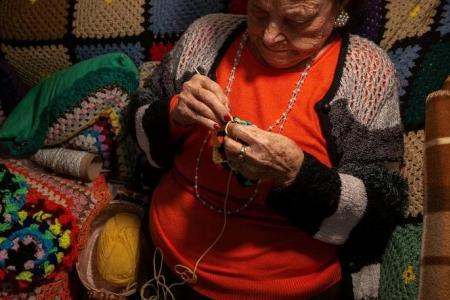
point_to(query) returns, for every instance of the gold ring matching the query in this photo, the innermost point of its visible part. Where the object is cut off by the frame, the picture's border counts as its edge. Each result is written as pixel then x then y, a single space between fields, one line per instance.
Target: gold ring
pixel 241 155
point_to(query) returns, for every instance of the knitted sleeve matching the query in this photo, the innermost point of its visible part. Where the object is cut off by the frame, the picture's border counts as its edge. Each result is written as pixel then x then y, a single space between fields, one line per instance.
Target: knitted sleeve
pixel 197 48
pixel 359 200
pixel 150 109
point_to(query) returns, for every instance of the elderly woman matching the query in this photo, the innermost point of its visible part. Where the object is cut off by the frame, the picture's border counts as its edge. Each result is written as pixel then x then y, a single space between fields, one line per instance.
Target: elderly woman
pixel 300 197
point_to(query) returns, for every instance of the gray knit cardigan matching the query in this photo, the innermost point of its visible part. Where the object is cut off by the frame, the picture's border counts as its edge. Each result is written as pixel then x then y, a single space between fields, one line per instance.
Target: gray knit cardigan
pixel 354 204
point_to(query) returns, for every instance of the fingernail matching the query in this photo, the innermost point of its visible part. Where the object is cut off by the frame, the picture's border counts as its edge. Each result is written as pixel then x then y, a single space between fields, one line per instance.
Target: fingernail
pixel 227 118
pixel 216 126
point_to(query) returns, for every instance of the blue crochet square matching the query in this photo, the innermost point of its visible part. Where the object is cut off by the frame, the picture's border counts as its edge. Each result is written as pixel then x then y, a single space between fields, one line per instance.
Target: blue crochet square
pixel 404 60
pixel 135 51
pixel 444 22
pixel 174 16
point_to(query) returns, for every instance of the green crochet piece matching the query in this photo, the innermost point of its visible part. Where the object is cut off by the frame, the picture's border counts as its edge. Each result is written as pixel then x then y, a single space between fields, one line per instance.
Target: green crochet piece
pixel 25 129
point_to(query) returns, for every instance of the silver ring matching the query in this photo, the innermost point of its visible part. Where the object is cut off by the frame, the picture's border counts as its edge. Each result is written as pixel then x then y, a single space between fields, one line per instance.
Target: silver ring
pixel 241 155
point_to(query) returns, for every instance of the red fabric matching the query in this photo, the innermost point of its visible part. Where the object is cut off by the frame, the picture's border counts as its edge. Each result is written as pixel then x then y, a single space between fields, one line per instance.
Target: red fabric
pixel 157 51
pixel 237 7
pixel 259 253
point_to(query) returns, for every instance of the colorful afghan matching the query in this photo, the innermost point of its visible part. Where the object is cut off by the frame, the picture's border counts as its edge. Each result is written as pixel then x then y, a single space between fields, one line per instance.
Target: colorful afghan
pixel 40 37
pixel 97 124
pixel 38 236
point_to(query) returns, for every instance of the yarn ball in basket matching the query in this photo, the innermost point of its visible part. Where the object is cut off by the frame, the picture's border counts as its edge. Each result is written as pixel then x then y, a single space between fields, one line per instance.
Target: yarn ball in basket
pixel 118 249
pixel 87 264
pixel 37 236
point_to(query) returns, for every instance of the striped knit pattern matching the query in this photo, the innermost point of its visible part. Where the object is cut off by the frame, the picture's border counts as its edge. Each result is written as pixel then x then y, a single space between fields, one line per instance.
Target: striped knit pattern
pixel 436 253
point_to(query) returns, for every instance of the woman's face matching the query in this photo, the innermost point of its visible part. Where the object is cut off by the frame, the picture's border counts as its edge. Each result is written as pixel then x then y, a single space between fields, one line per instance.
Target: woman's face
pixel 286 32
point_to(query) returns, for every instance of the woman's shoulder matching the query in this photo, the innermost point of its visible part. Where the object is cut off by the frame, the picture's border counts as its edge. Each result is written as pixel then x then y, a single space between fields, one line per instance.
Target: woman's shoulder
pixel 365 55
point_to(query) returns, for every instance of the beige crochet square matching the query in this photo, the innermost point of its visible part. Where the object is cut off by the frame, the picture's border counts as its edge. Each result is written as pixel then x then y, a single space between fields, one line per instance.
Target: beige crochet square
pixel 406 18
pixel 412 171
pixel 26 20
pixel 106 19
pixel 36 63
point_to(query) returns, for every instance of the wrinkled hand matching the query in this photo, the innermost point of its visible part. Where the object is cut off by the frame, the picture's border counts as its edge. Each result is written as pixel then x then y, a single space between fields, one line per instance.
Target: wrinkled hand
pixel 267 155
pixel 201 101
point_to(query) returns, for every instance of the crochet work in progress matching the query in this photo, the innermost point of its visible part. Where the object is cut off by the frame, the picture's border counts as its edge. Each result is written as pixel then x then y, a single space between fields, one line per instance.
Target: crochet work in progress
pixel 38 236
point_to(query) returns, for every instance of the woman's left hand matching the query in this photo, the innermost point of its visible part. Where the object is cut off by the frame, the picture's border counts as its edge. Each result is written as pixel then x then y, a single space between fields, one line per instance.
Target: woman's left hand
pixel 261 154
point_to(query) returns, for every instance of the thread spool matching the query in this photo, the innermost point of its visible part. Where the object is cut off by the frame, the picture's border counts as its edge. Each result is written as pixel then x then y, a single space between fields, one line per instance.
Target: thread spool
pixel 75 163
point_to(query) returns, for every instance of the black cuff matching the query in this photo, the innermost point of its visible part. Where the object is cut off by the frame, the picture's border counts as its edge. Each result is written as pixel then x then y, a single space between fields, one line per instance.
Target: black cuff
pixel 156 126
pixel 313 196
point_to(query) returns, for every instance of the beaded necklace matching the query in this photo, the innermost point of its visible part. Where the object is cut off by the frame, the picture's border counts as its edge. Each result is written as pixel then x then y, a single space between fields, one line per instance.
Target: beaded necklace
pixel 280 122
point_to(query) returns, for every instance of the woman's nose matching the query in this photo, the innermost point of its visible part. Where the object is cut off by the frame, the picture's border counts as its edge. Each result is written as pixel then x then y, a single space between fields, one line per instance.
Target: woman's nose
pixel 273 34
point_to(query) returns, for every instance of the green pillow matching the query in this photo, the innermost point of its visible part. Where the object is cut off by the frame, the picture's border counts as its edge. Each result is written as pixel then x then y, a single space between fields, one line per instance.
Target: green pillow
pixel 25 129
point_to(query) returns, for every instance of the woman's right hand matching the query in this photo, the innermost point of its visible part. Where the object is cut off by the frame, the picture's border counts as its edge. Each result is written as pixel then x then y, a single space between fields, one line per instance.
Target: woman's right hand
pixel 201 101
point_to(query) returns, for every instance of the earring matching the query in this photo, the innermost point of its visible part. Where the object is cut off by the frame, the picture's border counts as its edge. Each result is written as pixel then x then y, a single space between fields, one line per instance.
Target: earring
pixel 341 19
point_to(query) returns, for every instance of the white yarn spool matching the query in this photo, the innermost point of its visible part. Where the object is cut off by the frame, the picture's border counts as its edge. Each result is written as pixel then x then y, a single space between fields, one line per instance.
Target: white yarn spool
pixel 76 163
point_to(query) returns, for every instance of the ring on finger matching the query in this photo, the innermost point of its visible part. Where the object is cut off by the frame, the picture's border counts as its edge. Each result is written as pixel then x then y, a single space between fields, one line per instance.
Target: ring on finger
pixel 241 155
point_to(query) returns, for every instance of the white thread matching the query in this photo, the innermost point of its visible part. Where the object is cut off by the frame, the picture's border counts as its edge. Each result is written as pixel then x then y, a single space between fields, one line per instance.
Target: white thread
pixel 158 283
pixel 60 160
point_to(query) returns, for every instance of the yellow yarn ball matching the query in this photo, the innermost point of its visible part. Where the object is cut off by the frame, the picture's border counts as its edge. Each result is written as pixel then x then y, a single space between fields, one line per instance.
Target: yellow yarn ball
pixel 118 249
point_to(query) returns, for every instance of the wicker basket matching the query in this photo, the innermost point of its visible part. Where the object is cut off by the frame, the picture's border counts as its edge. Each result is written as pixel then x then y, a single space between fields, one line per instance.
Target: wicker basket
pixel 86 266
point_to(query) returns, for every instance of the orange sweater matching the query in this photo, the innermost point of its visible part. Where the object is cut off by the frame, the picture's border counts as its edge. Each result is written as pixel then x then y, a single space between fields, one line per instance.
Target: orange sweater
pixel 260 255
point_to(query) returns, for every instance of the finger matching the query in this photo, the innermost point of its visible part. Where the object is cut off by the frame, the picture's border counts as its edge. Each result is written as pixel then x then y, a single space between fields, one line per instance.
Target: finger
pixel 232 147
pixel 199 112
pixel 212 101
pixel 214 96
pixel 215 88
pixel 246 134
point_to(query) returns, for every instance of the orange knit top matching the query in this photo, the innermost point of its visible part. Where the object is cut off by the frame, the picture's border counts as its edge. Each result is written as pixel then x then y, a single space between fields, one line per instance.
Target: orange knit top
pixel 260 255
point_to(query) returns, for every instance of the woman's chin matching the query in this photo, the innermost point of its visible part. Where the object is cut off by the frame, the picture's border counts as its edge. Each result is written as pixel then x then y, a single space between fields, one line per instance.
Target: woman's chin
pixel 279 61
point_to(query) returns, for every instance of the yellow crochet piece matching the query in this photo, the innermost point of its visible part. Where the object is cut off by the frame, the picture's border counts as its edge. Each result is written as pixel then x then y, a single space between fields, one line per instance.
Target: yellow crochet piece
pixel 64 240
pixel 25 276
pixel 55 228
pixel 48 268
pixel 22 216
pixel 59 257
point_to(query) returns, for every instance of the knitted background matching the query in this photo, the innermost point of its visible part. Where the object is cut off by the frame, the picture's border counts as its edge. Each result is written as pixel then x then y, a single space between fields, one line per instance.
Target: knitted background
pixel 39 37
